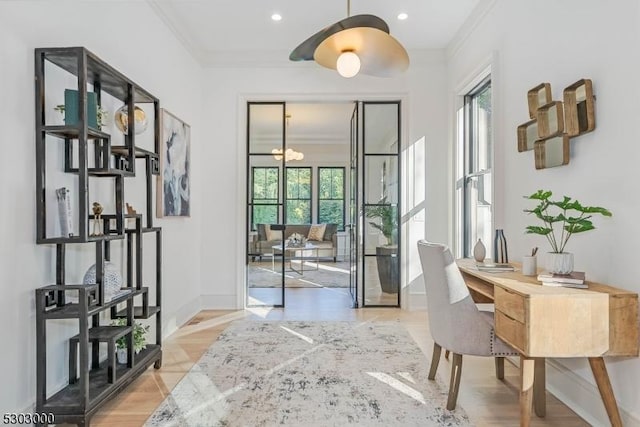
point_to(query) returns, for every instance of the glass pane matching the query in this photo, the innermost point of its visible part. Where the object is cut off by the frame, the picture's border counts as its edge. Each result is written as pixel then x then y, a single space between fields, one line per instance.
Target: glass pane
pixel 264 191
pixel 480 216
pixel 299 183
pixel 265 183
pixel 381 128
pixel 382 279
pixel 381 227
pixel 482 129
pixel 331 212
pixel 324 183
pixel 266 127
pixel 264 214
pixel 381 179
pixel 298 212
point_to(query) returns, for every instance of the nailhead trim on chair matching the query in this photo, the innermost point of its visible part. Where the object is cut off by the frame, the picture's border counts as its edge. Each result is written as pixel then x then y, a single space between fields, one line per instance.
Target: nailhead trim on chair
pixel 493 353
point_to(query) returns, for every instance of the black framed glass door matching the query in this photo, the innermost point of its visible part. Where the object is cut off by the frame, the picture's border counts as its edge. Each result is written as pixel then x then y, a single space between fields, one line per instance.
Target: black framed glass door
pixel 352 226
pixel 381 204
pixel 266 210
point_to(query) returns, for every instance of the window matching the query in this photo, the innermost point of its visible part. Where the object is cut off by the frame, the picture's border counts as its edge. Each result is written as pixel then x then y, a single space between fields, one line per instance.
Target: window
pixel 264 196
pixel 298 198
pixel 474 186
pixel 331 196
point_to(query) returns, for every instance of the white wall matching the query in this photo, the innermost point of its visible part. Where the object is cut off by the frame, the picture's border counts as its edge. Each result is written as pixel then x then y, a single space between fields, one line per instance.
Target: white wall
pixel 559 43
pixel 131 38
pixel 423 90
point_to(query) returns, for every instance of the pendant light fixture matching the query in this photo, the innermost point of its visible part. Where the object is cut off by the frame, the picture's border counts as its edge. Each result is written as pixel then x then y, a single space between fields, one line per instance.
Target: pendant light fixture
pixel 356 44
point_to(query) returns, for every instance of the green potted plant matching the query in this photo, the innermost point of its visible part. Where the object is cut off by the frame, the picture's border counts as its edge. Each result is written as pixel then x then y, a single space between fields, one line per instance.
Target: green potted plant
pixel 386 255
pixel 561 219
pixel 139 339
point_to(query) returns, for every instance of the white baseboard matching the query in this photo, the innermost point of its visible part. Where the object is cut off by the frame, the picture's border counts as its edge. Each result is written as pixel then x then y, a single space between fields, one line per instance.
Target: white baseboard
pixel 219 302
pixel 582 396
pixel 172 321
pixel 416 301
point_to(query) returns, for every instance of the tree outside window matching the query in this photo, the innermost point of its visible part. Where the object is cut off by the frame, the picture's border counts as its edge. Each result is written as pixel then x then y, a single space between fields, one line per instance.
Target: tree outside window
pixel 264 197
pixel 331 196
pixel 298 198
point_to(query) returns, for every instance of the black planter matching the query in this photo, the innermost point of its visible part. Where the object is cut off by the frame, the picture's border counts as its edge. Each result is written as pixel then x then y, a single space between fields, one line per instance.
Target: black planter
pixel 388 268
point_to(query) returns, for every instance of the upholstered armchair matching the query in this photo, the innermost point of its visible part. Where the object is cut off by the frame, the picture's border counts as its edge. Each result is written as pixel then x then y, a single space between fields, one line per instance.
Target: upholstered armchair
pixel 454 319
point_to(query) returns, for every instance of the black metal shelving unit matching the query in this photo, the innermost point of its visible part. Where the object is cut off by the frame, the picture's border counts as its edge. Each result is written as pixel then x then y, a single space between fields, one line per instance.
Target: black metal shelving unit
pixel 92 381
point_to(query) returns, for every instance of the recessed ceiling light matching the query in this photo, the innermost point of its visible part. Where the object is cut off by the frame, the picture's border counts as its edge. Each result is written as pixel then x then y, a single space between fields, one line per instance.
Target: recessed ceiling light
pixel 276 17
pixel 402 16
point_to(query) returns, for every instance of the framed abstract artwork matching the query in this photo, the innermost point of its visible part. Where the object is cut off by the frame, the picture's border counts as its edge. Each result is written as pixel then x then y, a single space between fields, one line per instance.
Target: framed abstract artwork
pixel 173 190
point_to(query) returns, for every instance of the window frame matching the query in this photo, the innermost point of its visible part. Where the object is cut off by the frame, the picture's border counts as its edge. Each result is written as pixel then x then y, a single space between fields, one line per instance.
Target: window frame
pixel 286 192
pixel 343 199
pixel 470 169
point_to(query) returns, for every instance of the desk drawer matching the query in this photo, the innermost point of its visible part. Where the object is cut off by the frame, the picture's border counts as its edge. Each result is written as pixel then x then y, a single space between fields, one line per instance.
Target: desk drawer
pixel 511 331
pixel 511 304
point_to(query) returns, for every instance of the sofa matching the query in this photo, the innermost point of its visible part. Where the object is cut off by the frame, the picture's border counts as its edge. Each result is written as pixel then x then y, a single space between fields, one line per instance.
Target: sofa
pixel 265 239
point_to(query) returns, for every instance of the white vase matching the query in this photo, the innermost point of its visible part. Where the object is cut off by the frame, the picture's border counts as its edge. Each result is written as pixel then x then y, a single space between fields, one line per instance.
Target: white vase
pixel 559 263
pixel 479 251
pixel 121 355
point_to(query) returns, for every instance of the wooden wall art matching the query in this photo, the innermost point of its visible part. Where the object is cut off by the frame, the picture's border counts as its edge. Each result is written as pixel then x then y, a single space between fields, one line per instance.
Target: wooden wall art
pixel 550 119
pixel 554 122
pixel 537 97
pixel 579 108
pixel 551 152
pixel 527 135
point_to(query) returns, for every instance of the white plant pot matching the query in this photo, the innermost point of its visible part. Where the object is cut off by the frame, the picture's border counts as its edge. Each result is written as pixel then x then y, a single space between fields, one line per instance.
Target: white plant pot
pixel 121 355
pixel 559 263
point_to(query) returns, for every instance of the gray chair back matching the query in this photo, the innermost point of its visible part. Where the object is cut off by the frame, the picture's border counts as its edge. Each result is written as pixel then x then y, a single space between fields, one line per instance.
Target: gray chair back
pixel 454 320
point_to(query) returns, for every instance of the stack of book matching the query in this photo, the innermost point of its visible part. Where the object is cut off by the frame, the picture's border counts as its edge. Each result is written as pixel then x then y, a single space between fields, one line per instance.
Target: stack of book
pixel 494 267
pixel 575 279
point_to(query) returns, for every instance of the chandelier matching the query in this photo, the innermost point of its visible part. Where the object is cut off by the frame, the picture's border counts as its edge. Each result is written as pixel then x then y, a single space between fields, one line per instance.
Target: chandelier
pixel 289 154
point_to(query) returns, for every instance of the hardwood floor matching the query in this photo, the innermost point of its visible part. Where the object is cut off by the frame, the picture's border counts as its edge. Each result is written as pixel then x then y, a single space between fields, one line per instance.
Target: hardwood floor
pixel 488 401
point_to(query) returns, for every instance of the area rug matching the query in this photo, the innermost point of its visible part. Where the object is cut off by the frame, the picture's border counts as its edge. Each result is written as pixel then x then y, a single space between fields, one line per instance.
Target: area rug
pixel 309 374
pixel 327 275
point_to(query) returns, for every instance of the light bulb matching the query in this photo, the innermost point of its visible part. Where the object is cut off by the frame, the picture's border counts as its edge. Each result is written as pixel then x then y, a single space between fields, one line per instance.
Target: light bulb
pixel 348 64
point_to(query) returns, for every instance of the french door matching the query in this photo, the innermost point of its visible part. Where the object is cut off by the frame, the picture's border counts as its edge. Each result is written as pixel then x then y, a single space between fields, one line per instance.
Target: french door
pixel 353 223
pixel 266 210
pixel 373 213
pixel 380 204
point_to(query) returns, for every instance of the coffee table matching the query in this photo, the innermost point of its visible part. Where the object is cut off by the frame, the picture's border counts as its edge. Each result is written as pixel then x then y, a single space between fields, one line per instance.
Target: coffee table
pixel 298 253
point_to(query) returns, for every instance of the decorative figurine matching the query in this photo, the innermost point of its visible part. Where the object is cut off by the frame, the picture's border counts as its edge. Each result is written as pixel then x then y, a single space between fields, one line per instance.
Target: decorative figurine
pixel 130 209
pixel 97 219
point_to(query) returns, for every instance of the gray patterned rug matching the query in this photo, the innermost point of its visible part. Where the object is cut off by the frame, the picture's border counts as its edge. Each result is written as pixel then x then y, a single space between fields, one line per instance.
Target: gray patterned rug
pixel 309 374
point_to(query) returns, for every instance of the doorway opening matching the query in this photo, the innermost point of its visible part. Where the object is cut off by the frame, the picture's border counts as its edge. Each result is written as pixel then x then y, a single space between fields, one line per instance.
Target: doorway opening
pixel 322 202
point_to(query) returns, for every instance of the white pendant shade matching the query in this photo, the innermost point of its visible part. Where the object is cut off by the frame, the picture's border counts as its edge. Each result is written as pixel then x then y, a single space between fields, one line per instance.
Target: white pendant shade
pixel 363 36
pixel 380 54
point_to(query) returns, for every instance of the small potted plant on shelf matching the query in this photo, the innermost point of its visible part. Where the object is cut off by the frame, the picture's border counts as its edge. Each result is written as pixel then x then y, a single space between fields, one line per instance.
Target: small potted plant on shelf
pixel 561 219
pixel 386 255
pixel 139 339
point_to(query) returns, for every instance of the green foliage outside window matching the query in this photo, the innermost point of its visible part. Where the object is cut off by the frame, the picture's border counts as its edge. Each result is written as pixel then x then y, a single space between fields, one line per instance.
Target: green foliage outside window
pixel 331 196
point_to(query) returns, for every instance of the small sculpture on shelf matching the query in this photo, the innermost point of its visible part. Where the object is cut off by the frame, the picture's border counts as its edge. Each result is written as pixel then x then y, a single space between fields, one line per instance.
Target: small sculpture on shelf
pixel 130 211
pixel 97 219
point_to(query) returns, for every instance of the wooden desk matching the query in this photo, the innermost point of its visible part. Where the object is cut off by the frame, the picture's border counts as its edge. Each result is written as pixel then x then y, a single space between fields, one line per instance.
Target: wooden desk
pixel 541 321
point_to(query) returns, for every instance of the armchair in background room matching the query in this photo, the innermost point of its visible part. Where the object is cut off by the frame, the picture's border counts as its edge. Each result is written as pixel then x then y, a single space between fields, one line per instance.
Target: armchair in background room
pixel 455 321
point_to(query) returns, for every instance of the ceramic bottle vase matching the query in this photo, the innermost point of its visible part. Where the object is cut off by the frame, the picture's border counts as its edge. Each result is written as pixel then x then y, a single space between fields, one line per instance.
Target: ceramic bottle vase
pixel 479 251
pixel 500 247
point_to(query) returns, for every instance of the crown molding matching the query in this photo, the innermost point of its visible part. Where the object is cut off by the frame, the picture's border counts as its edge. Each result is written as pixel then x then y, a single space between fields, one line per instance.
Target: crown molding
pixel 469 26
pixel 261 58
pixel 166 15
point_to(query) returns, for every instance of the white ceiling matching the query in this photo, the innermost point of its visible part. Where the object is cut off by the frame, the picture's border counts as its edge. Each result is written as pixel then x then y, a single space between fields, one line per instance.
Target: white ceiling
pixel 241 31
pixel 207 27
